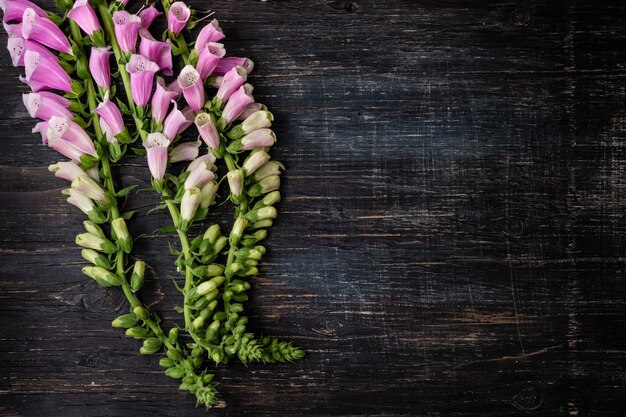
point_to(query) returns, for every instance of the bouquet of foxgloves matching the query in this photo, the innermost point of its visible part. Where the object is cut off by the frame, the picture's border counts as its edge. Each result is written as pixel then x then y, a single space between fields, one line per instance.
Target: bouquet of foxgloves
pixel 182 102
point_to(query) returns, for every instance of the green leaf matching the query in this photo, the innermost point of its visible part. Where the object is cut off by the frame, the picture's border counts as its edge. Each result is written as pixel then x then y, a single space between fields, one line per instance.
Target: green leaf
pixel 127 215
pixel 126 190
pixel 166 229
pixel 139 151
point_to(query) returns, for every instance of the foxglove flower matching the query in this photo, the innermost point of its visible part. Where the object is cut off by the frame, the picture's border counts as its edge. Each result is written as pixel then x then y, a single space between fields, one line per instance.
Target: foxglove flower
pixel 209 58
pixel 156 51
pixel 65 148
pixel 257 120
pixel 42 129
pixel 83 14
pixel 210 33
pixel 68 171
pixel 231 62
pixel 14 9
pixel 177 17
pixel 43 73
pixel 63 128
pixel 199 176
pixel 90 188
pixel 189 203
pixel 235 181
pixel 208 193
pixel 13 30
pixel 43 30
pixel 44 105
pixel 255 161
pixel 258 139
pixel 86 205
pixel 148 15
pixel 99 66
pixel 187 151
pixel 156 148
pixel 237 103
pixel 232 81
pixel 250 109
pixel 192 86
pixel 207 159
pixel 161 100
pixel 272 168
pixel 126 29
pixel 208 130
pixel 141 71
pixel 177 121
pixel 111 116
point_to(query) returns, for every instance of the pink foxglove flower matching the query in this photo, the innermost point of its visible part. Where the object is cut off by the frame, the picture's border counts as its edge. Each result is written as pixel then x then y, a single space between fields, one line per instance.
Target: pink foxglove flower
pixel 209 58
pixel 235 181
pixel 208 130
pixel 14 9
pixel 199 176
pixel 70 131
pixel 187 151
pixel 83 14
pixel 148 15
pixel 13 30
pixel 189 203
pixel 177 121
pixel 44 105
pixel 142 72
pixel 192 86
pixel 231 62
pixel 156 51
pixel 161 100
pixel 237 103
pixel 126 29
pixel 43 73
pixel 232 81
pixel 258 139
pixel 99 66
pixel 84 203
pixel 210 33
pixel 43 30
pixel 42 129
pixel 177 17
pixel 156 148
pixel 110 115
pixel 68 171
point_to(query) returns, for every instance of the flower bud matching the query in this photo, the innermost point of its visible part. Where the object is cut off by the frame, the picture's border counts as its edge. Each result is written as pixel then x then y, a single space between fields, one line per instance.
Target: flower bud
pixel 95 258
pixel 255 161
pixel 216 356
pixel 141 312
pixel 272 198
pixel 262 224
pixel 251 240
pixel 102 276
pixel 238 227
pixel 120 231
pixel 189 203
pixel 197 323
pixel 172 336
pixel 125 321
pixel 208 193
pixel 261 249
pixel 235 182
pixel 233 268
pixel 151 345
pixel 212 233
pixel 137 277
pixel 211 270
pixel 248 272
pixel 166 362
pixel 211 294
pixel 187 151
pixel 93 228
pixel 91 189
pixel 91 241
pixel 175 373
pixel 208 286
pixel 263 213
pixel 248 253
pixel 137 332
pixel 220 244
pixel 258 139
pixel 266 185
pixel 260 119
pixel 269 169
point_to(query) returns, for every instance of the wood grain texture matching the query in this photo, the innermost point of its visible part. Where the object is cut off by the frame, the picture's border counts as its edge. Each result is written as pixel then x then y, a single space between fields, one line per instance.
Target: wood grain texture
pixel 451 242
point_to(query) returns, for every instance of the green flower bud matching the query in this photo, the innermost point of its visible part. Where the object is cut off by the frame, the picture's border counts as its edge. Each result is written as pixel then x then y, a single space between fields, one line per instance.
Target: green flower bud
pixel 219 316
pixel 205 313
pixel 137 332
pixel 235 182
pixel 150 346
pixel 233 268
pixel 197 323
pixel 208 270
pixel 272 198
pixel 250 240
pixel 200 303
pixel 173 335
pixel 166 363
pixel 212 233
pixel 255 161
pixel 236 288
pixel 102 276
pixel 238 227
pixel 208 193
pixel 137 277
pixel 220 244
pixel 91 241
pixel 231 350
pixel 248 272
pixel 121 234
pixel 264 186
pixel 93 228
pixel 141 312
pixel 174 355
pixel 236 308
pixel 240 298
pixel 248 253
pixel 216 356
pixel 251 262
pixel 211 295
pixel 260 248
pixel 271 168
pixel 124 321
pixel 227 295
pixel 95 258
pixel 175 372
pixel 210 285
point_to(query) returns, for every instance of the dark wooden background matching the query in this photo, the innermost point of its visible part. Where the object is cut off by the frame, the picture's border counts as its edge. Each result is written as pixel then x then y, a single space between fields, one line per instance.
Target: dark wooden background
pixel 452 237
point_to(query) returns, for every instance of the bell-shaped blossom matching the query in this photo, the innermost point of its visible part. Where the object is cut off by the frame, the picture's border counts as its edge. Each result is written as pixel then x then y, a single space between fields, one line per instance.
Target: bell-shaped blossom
pixel 209 33
pixel 44 105
pixel 18 46
pixel 251 109
pixel 177 17
pixel 206 159
pixel 43 30
pixel 14 30
pixel 70 131
pixel 126 29
pixel 111 115
pixel 271 168
pixel 189 203
pixel 42 129
pixel 99 66
pixel 68 171
pixel 88 187
pixel 141 71
pixel 43 73
pixel 156 149
pixel 231 62
pixel 236 104
pixel 258 139
pixel 257 120
pixel 161 100
pixel 209 58
pixel 156 51
pixel 187 151
pixel 177 121
pixel 235 181
pixel 13 10
pixel 85 17
pixel 199 176
pixel 148 15
pixel 208 193
pixel 208 130
pixel 82 202
pixel 192 86
pixel 255 161
pixel 233 79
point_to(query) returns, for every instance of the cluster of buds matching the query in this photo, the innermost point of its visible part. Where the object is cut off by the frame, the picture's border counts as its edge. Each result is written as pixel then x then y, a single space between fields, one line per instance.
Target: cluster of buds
pixel 199 187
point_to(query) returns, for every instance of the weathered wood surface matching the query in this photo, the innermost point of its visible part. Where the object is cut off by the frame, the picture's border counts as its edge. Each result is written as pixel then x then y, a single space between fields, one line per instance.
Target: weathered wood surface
pixel 451 242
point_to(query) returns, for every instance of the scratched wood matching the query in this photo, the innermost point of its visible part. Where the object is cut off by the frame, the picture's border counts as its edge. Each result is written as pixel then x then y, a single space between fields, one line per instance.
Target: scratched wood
pixel 451 242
